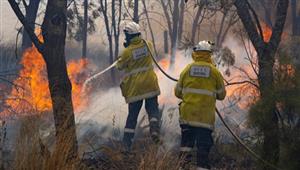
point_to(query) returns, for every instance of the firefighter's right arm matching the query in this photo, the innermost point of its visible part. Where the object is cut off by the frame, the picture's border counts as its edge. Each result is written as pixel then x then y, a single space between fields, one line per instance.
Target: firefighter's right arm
pixel 123 60
pixel 221 91
pixel 179 85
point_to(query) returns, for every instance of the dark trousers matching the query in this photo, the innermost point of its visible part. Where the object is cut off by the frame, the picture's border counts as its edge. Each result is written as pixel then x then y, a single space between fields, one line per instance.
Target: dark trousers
pixel 203 139
pixel 151 105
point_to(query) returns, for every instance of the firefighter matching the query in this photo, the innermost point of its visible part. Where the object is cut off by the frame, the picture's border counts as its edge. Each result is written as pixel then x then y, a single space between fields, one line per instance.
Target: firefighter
pixel 139 83
pixel 199 85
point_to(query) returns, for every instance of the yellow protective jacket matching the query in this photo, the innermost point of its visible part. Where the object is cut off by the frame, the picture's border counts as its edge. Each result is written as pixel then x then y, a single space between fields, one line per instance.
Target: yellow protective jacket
pixel 199 85
pixel 140 81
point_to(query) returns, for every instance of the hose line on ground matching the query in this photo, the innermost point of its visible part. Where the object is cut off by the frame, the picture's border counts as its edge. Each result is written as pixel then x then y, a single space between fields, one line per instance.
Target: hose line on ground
pixel 238 140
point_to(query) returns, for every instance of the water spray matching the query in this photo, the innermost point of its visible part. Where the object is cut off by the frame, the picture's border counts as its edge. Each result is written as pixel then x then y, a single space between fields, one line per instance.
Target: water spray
pixel 95 76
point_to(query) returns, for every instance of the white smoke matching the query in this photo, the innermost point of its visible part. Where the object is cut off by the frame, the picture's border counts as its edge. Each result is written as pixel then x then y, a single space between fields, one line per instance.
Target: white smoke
pixel 107 109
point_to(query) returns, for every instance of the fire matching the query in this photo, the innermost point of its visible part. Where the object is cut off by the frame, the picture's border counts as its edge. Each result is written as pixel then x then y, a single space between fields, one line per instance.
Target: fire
pixel 290 70
pixel 77 74
pixel 32 91
pixel 267 32
pixel 166 85
pixel 164 63
pixel 245 94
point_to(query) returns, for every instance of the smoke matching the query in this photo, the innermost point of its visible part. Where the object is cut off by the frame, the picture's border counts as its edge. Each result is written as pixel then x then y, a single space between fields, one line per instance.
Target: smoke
pixel 107 111
pixel 103 119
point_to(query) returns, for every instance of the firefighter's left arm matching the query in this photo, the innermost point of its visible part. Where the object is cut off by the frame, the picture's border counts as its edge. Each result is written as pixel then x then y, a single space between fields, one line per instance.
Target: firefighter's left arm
pixel 179 85
pixel 123 59
pixel 221 91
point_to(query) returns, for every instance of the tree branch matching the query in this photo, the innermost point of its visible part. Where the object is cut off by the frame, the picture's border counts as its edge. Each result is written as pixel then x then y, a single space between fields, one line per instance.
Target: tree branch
pixel 149 25
pixel 167 16
pixel 244 14
pixel 281 14
pixel 38 44
pixel 241 82
pixel 127 11
pixel 248 55
pixel 256 20
pixel 68 5
pixel 25 4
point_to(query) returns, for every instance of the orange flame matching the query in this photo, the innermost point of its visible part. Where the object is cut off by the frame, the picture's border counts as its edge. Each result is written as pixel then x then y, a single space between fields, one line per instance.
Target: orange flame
pixel 245 94
pixel 32 91
pixel 267 32
pixel 77 74
pixel 164 63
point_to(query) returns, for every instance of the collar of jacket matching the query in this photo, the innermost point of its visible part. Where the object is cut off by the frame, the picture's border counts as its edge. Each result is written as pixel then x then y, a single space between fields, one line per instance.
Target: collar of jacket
pixel 202 56
pixel 136 40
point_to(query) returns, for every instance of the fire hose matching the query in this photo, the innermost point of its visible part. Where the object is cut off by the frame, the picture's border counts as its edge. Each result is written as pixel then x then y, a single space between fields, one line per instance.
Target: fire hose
pixel 238 140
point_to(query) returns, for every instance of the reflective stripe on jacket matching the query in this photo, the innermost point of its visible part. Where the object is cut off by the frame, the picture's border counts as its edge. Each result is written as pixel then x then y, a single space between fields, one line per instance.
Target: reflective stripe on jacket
pixel 140 81
pixel 199 85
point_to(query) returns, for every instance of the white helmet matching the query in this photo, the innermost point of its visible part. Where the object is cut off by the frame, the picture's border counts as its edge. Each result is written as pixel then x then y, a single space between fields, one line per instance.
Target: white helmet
pixel 132 28
pixel 203 46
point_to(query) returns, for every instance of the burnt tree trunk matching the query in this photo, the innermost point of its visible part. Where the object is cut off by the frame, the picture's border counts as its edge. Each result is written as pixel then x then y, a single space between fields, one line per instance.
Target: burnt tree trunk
pixel 228 20
pixel 136 11
pixel 295 19
pixel 104 10
pixel 266 59
pixel 149 25
pixel 116 27
pixel 111 57
pixel 31 13
pixel 114 52
pixel 53 49
pixel 166 42
pixel 181 21
pixel 174 38
pixel 172 23
pixel 112 29
pixel 84 31
pixel 267 5
pixel 54 33
pixel 196 23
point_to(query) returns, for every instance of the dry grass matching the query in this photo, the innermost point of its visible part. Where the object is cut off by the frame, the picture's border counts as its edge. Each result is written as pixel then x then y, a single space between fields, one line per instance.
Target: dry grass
pixel 32 154
pixel 144 156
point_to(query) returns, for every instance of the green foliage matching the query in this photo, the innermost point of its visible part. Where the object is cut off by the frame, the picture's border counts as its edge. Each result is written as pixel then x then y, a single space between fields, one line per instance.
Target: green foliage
pixel 287 75
pixel 286 95
pixel 290 150
pixel 258 116
pixel 287 78
pixel 224 57
pixel 231 156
